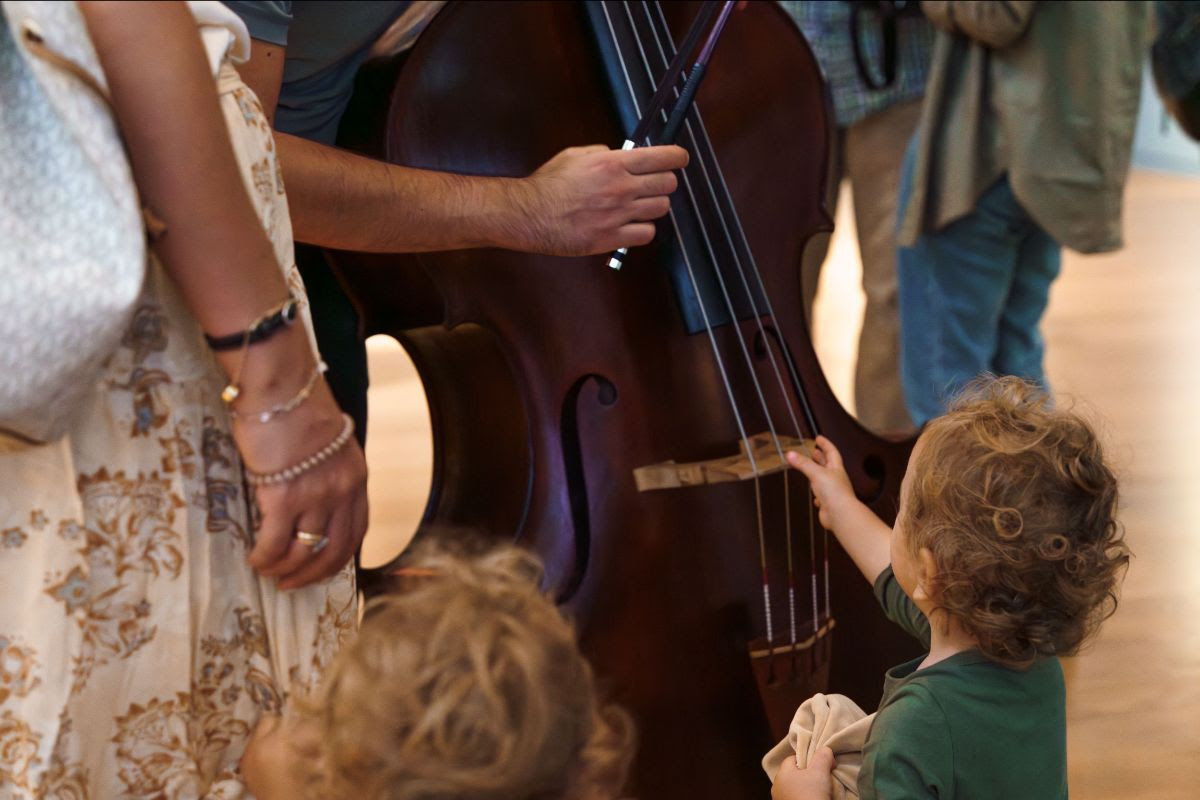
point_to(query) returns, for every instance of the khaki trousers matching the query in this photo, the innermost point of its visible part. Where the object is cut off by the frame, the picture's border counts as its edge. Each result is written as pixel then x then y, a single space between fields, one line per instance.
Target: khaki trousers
pixel 870 154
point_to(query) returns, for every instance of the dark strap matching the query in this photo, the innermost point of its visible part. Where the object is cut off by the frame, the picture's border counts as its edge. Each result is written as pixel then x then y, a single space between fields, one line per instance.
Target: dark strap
pixel 263 329
pixel 887 12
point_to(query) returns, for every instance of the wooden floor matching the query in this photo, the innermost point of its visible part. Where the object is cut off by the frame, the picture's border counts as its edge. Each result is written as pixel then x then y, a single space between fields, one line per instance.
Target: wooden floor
pixel 1123 338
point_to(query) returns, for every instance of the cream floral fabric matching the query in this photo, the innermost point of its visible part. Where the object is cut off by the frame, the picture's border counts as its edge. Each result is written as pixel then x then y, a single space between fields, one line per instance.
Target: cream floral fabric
pixel 137 648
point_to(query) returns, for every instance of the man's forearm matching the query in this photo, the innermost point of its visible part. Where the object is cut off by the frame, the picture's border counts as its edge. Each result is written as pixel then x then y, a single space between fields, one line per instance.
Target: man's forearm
pixel 584 200
pixel 342 200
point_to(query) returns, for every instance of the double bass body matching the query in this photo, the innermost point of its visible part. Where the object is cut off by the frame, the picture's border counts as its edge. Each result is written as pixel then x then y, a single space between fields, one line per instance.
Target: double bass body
pixel 550 380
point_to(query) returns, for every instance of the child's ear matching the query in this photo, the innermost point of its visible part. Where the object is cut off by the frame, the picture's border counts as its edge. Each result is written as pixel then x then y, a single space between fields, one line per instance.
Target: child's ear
pixel 927 573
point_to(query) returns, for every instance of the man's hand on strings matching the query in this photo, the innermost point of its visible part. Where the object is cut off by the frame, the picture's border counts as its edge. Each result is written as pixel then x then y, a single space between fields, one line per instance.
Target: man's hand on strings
pixel 590 200
pixel 832 492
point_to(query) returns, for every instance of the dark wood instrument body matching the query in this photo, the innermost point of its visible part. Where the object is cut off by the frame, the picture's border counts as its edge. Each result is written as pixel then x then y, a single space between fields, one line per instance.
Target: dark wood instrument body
pixel 550 379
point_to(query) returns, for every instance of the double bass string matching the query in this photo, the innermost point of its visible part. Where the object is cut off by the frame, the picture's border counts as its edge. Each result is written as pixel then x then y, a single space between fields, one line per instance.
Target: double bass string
pixel 704 153
pixel 702 161
pixel 682 106
pixel 683 112
pixel 662 40
pixel 707 149
pixel 661 34
pixel 799 387
pixel 741 236
pixel 728 386
pixel 711 251
pixel 675 69
pixel 708 327
pixel 657 104
pixel 703 156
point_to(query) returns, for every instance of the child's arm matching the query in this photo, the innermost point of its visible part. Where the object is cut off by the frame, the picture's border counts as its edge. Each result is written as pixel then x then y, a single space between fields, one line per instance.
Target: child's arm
pixel 863 535
pixel 281 757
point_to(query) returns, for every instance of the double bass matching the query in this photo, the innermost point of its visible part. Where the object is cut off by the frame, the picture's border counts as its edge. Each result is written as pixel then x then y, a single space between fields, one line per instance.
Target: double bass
pixel 629 425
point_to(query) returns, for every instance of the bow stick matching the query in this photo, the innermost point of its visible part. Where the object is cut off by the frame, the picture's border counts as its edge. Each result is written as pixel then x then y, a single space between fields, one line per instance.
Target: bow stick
pixel 687 95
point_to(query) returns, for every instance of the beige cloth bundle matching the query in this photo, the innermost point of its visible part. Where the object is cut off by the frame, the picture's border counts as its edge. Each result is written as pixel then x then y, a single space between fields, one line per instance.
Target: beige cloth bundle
pixel 825 720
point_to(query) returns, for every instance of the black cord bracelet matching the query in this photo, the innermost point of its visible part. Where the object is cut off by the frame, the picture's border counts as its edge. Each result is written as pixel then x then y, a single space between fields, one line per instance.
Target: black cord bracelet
pixel 264 328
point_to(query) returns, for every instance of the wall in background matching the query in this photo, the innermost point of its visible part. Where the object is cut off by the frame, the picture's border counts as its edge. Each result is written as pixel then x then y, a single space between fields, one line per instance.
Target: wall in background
pixel 1158 143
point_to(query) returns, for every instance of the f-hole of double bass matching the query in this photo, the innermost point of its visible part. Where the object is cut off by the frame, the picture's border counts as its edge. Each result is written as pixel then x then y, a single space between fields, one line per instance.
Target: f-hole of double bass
pixel 575 474
pixel 781 395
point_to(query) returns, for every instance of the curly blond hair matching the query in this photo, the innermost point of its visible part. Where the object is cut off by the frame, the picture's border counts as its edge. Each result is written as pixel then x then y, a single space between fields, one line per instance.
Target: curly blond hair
pixel 1016 502
pixel 467 683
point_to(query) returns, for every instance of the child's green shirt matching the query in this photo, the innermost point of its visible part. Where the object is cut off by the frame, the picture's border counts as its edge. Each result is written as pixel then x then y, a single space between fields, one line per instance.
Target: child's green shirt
pixel 964 727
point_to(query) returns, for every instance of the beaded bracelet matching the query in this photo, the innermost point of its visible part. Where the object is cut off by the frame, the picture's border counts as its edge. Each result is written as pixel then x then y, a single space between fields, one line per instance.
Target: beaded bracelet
pixel 296 470
pixel 268 414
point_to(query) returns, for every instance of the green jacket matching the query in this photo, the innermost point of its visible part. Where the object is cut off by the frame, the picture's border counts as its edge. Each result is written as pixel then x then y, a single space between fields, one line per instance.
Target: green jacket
pixel 1044 91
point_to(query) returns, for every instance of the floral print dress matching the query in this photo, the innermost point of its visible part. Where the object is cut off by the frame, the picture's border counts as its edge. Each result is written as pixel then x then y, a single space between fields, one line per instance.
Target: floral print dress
pixel 137 647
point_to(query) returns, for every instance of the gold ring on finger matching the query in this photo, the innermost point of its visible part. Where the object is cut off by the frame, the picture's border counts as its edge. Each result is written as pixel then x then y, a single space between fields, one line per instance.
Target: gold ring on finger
pixel 315 541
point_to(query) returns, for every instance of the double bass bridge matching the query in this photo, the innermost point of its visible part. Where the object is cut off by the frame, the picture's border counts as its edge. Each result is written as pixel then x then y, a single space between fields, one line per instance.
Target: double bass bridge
pixel 759 455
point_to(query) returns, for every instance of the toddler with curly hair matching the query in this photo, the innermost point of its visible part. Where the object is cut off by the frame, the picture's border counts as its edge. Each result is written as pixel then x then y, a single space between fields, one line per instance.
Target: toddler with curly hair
pixel 1005 555
pixel 465 683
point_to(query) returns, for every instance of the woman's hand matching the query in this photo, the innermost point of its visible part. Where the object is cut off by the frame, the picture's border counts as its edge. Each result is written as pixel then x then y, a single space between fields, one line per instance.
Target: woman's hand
pixel 813 783
pixel 832 491
pixel 328 500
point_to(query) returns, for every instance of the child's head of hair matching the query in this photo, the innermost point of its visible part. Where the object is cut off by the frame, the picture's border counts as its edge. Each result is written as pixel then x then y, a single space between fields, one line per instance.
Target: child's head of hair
pixel 467 682
pixel 1015 502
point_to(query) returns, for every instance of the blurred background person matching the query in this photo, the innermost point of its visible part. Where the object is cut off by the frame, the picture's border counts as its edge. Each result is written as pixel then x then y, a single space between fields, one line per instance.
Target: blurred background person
pixel 1175 57
pixel 1023 147
pixel 874 57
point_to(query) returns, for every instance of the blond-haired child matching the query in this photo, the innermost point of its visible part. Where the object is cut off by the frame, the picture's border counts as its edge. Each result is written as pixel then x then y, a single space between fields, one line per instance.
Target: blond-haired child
pixel 1006 554
pixel 466 683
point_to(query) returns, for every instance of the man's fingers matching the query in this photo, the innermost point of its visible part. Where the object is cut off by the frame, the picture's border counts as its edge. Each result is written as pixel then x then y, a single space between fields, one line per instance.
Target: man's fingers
pixel 660 158
pixel 647 208
pixel 267 723
pixel 634 234
pixel 657 185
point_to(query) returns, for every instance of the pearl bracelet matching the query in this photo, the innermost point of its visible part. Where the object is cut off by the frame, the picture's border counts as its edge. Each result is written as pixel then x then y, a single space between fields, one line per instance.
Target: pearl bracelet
pixel 290 473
